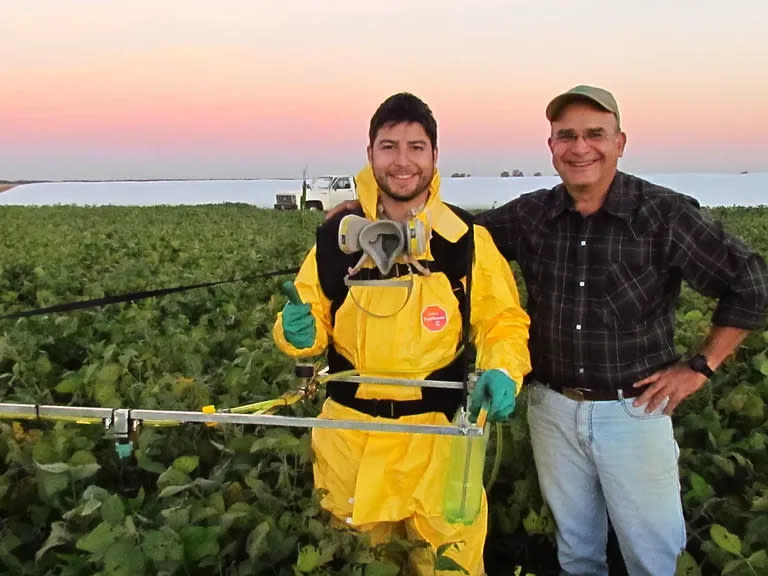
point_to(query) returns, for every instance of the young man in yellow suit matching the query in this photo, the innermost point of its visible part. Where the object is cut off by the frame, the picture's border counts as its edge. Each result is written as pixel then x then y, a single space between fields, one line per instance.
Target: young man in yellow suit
pixel 402 313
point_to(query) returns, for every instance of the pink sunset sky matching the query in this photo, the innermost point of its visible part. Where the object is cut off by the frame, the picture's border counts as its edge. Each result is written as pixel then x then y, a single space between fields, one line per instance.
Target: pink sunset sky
pixel 248 89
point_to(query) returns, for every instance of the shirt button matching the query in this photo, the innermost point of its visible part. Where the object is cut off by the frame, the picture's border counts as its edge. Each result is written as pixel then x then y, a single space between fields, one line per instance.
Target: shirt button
pixel 578 326
pixel 583 242
pixel 581 284
pixel 581 370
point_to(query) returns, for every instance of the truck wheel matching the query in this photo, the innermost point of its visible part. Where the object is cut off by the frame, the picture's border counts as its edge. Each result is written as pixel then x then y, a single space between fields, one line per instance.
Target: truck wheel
pixel 314 206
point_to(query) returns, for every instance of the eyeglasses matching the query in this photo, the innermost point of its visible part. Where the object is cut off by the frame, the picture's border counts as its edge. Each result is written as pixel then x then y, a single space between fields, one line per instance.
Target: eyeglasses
pixel 592 135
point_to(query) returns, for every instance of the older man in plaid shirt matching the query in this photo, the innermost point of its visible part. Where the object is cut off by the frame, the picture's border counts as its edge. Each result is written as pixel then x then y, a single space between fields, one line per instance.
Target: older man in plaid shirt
pixel 603 255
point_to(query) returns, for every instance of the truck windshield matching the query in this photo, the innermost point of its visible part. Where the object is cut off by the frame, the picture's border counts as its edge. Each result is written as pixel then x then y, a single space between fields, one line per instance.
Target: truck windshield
pixel 322 183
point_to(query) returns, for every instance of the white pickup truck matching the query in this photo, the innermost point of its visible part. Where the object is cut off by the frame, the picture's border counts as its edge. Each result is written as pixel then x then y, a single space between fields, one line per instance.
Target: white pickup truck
pixel 323 193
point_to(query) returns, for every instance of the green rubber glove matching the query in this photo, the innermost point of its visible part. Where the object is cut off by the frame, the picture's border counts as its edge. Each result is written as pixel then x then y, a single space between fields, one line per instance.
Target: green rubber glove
pixel 298 322
pixel 498 389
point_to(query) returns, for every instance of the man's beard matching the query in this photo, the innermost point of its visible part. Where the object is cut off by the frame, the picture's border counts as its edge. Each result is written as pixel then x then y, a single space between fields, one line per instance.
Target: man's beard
pixel 422 187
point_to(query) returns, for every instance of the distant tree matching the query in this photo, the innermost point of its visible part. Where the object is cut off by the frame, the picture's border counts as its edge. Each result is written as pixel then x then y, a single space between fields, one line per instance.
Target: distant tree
pixel 537 173
pixel 744 172
pixel 517 172
pixel 459 175
pixel 504 174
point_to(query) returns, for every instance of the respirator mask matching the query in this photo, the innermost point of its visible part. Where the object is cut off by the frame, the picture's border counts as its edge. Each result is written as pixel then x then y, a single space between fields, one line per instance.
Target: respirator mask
pixel 385 243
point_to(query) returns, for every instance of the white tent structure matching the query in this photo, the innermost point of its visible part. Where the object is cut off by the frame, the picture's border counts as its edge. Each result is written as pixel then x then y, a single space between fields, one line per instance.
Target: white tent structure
pixel 473 192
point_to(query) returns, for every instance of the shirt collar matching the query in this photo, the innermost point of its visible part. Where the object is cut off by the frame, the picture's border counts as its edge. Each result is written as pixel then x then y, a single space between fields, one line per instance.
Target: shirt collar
pixel 618 202
pixel 560 202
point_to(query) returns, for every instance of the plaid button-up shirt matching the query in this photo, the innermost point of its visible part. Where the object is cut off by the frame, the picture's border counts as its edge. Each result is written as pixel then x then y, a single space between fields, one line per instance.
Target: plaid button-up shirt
pixel 602 289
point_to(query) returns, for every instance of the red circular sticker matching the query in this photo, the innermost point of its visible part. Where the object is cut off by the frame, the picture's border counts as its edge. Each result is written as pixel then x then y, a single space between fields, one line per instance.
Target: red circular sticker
pixel 433 318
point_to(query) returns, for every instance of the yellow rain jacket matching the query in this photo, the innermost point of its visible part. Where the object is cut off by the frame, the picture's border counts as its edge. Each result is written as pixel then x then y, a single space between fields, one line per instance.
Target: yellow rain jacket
pixel 385 477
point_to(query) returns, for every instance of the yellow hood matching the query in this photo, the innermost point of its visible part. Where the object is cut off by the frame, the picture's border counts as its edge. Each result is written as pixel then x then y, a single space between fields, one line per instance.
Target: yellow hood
pixel 436 214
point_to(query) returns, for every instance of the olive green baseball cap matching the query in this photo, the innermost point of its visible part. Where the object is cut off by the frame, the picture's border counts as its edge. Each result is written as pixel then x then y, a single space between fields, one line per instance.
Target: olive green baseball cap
pixel 599 96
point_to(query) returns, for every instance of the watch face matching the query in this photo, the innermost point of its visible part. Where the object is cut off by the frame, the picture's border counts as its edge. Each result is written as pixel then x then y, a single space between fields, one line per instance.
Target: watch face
pixel 699 363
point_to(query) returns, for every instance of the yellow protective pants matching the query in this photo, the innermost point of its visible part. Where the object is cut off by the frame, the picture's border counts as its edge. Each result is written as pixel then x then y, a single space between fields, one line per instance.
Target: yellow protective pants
pixel 385 482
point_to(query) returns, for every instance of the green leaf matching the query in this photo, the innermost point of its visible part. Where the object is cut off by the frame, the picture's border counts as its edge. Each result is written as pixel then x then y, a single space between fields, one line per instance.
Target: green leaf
pixel 759 559
pixel 532 522
pixel 173 477
pixel 109 374
pixel 54 468
pixel 124 558
pixel 84 471
pixel 67 386
pixel 99 539
pixel 256 544
pixel 308 560
pixel 538 523
pixel 130 528
pixel 8 542
pixel 205 484
pixel 173 490
pixel 186 464
pixel 90 507
pixel 754 409
pixel 94 492
pixel 758 442
pixel 381 569
pixel 177 517
pixel 741 460
pixel 199 542
pixel 701 488
pixel 106 385
pixel 277 440
pixel 162 545
pixel 687 566
pixel 43 364
pixel 216 501
pixel 82 457
pixel 93 496
pixel 724 464
pixel 112 510
pixel 694 314
pixel 725 539
pixel 449 565
pixel 146 463
pixel 135 504
pixel 758 360
pixel 444 548
pixel 51 483
pixel 760 503
pixel 732 566
pixel 235 512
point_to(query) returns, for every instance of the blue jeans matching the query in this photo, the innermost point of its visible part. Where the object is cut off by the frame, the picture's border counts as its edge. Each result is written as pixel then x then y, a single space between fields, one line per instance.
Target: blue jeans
pixel 608 456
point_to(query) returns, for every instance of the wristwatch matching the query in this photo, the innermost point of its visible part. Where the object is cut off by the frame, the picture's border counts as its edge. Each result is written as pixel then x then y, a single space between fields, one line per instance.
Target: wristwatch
pixel 698 363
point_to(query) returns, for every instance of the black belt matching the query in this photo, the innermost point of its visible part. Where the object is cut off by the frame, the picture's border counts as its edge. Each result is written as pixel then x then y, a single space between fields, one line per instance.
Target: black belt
pixel 387 408
pixel 582 394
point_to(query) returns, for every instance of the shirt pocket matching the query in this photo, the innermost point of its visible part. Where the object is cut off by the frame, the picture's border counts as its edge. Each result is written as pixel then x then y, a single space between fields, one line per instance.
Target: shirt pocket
pixel 629 296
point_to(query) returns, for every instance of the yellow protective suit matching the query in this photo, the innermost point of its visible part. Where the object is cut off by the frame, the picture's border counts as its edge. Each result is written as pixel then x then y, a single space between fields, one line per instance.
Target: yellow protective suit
pixel 380 481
